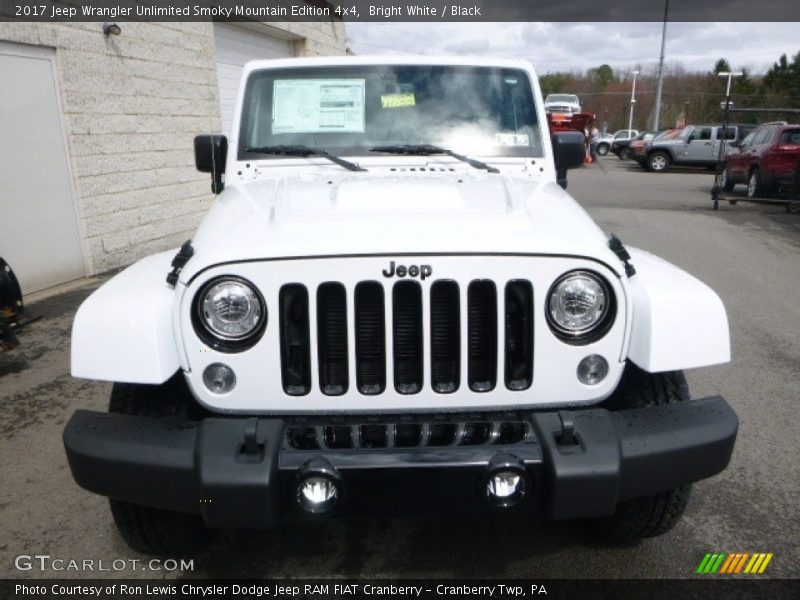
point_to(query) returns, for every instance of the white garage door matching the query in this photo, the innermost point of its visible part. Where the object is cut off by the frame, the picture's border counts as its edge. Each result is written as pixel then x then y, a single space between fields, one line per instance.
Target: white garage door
pixel 236 46
pixel 38 225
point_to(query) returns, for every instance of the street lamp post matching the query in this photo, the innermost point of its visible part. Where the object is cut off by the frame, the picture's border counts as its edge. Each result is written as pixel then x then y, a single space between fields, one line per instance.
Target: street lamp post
pixel 721 153
pixel 633 100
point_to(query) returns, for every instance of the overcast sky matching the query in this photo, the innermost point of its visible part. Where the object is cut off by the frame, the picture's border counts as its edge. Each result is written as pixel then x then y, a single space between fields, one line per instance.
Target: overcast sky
pixel 579 46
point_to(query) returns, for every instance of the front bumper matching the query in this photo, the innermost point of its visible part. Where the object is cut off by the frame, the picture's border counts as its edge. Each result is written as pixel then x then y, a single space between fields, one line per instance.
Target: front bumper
pixel 242 472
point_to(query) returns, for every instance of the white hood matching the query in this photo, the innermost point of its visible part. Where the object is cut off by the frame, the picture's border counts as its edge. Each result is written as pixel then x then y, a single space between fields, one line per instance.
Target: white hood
pixel 393 213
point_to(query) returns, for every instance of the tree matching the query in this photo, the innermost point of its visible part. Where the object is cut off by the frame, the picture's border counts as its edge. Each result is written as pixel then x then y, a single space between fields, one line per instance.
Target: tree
pixel 784 78
pixel 721 66
pixel 602 76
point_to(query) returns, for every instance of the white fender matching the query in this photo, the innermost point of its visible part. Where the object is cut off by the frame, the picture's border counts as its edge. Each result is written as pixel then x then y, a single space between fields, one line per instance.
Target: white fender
pixel 123 331
pixel 678 321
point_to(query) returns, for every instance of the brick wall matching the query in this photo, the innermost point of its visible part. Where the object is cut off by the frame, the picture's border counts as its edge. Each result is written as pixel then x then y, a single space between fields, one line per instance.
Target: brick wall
pixel 132 105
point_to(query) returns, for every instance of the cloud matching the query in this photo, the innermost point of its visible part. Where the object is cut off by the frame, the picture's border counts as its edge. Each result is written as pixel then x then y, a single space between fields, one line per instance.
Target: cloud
pixel 580 46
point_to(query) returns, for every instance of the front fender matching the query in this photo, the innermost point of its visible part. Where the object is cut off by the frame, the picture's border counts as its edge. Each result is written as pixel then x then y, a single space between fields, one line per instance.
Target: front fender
pixel 678 321
pixel 123 331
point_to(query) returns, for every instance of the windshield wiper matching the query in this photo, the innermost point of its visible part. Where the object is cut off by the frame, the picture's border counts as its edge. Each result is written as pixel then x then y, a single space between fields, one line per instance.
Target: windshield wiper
pixel 305 151
pixel 429 150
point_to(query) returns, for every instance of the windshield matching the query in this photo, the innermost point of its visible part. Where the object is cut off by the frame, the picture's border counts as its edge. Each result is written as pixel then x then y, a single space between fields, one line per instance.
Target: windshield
pixel 562 98
pixel 346 110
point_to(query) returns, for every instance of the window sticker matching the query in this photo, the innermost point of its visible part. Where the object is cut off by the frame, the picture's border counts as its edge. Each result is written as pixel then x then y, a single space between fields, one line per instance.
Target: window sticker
pixel 397 100
pixel 318 105
pixel 511 139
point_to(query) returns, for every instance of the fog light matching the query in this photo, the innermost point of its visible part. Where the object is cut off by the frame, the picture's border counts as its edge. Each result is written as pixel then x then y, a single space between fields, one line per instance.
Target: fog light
pixel 592 369
pixel 504 484
pixel 317 490
pixel 219 378
pixel 319 487
pixel 507 481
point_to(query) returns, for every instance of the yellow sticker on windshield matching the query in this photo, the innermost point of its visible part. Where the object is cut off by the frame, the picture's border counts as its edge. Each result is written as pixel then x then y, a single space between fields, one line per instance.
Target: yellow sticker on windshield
pixel 397 100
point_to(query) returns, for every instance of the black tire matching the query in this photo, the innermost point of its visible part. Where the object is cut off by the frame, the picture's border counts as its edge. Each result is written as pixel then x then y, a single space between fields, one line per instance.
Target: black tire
pixel 658 161
pixel 602 149
pixel 755 187
pixel 624 154
pixel 725 181
pixel 657 514
pixel 145 529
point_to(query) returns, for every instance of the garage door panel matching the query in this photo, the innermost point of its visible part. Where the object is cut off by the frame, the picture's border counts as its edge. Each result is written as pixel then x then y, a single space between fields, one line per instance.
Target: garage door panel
pixel 236 46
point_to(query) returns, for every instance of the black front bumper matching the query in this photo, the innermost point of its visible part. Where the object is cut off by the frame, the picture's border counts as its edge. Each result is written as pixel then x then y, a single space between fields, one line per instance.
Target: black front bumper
pixel 241 472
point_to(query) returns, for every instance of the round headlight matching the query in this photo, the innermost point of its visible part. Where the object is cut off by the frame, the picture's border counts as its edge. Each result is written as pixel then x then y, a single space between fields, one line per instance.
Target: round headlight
pixel 580 303
pixel 230 309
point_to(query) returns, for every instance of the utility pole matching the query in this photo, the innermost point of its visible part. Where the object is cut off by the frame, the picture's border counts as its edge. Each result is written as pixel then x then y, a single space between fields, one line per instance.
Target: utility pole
pixel 657 118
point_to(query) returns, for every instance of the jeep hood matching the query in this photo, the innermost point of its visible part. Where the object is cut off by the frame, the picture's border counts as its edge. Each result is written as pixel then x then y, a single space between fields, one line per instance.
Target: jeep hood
pixel 393 214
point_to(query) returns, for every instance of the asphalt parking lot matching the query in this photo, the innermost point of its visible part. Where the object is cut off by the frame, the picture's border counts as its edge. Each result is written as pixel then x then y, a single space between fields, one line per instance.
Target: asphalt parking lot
pixel 748 253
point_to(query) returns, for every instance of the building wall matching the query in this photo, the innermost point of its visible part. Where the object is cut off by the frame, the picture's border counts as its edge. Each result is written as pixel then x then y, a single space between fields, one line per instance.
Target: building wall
pixel 132 105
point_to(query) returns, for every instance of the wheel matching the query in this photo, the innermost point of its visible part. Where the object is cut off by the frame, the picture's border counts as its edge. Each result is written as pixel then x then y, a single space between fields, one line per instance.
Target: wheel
pixel 602 149
pixel 658 161
pixel 153 530
pixel 724 180
pixel 793 207
pixel 657 514
pixel 624 154
pixel 754 186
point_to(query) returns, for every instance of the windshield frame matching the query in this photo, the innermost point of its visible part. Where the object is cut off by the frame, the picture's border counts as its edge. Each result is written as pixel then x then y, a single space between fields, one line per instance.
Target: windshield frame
pixel 536 149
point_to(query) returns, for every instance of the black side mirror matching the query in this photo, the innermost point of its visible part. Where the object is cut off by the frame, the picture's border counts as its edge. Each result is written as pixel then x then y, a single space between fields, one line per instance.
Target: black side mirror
pixel 569 151
pixel 210 153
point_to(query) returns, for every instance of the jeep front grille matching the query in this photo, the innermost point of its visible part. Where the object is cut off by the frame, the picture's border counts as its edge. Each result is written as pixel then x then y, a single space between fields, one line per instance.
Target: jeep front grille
pixel 506 429
pixel 414 339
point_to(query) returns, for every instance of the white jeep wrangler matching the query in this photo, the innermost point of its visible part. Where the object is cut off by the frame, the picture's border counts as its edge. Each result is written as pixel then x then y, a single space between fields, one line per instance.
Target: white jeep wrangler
pixel 392 308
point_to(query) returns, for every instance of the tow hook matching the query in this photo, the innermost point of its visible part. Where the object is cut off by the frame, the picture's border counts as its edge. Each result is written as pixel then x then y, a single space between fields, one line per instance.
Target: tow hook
pixel 567 436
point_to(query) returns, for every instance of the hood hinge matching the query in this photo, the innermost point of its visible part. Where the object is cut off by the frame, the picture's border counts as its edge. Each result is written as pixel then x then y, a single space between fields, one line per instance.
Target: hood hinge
pixel 181 258
pixel 618 248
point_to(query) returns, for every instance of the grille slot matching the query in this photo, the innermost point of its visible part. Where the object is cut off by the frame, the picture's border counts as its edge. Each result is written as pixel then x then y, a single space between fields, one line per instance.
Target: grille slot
pixel 407 434
pixel 519 335
pixel 482 335
pixel 407 330
pixel 332 338
pixel 295 345
pixel 370 336
pixel 445 337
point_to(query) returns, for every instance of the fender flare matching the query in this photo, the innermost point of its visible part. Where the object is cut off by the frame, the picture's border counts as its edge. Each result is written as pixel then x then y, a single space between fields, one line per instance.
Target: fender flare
pixel 678 321
pixel 124 330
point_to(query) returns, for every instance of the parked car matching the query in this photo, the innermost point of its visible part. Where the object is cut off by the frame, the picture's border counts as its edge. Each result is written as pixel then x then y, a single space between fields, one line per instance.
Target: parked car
pixel 562 103
pixel 604 143
pixel 637 150
pixel 367 326
pixel 696 146
pixel 766 160
pixel 621 147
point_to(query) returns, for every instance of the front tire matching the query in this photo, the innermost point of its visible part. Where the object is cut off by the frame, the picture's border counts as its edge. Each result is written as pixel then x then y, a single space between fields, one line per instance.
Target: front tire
pixel 658 162
pixel 602 149
pixel 656 514
pixel 624 154
pixel 146 529
pixel 725 181
pixel 754 186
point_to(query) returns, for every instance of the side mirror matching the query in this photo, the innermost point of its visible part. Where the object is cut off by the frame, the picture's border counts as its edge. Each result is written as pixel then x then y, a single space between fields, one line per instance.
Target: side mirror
pixel 210 154
pixel 569 151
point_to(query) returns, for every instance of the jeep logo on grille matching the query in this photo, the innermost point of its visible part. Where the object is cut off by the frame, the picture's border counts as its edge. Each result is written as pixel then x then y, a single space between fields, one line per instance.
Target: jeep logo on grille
pixel 421 271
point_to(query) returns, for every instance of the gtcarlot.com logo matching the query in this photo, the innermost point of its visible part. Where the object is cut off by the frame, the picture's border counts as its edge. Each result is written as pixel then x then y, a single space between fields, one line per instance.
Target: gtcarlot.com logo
pixel 45 562
pixel 733 563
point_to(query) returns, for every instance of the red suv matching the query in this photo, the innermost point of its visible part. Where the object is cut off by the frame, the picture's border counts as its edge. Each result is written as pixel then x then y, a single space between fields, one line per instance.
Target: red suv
pixel 767 160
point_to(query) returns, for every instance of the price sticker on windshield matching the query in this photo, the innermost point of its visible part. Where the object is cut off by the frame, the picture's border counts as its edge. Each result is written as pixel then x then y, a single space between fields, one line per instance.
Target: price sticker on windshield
pixel 511 139
pixel 318 105
pixel 397 100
